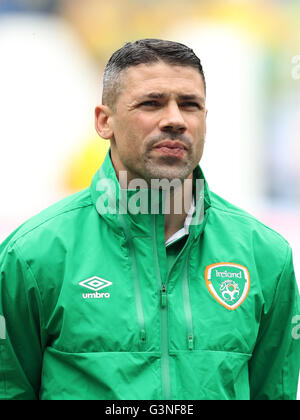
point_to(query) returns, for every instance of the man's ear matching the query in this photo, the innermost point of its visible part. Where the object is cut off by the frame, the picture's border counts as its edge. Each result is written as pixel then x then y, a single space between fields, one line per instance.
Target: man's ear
pixel 102 121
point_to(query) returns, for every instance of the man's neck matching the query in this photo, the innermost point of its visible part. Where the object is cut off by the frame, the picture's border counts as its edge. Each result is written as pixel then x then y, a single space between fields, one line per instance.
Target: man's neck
pixel 179 198
pixel 178 206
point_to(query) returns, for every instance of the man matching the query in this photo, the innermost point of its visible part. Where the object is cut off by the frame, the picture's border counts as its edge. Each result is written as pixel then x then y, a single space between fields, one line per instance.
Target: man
pixel 106 295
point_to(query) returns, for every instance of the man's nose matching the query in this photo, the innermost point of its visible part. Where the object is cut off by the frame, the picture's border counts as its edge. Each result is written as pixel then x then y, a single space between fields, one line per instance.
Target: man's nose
pixel 172 119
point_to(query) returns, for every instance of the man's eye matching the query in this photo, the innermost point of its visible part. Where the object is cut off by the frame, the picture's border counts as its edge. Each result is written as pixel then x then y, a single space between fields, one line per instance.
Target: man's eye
pixel 191 105
pixel 150 103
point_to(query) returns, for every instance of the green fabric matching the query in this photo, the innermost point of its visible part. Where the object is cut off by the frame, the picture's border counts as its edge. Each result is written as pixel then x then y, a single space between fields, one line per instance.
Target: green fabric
pixel 159 329
pixel 173 250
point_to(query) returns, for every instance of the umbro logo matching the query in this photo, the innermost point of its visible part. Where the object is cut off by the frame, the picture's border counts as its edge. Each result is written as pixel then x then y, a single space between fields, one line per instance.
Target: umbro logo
pixel 95 284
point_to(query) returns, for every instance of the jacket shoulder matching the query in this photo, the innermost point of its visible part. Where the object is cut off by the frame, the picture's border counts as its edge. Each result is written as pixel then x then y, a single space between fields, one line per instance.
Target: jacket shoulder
pixel 245 222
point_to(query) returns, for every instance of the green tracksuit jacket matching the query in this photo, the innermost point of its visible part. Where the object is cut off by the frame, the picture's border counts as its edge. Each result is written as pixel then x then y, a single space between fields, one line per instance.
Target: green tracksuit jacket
pixel 93 307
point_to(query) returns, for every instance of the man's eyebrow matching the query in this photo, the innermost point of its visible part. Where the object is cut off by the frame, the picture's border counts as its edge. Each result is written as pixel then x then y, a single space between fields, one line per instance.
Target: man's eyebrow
pixel 158 95
pixel 152 95
pixel 192 98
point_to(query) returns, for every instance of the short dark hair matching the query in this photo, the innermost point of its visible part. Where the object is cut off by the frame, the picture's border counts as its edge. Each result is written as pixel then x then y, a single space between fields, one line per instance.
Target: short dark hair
pixel 145 51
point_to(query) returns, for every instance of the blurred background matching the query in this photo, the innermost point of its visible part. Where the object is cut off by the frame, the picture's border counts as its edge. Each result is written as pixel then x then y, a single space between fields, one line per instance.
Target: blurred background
pixel 53 53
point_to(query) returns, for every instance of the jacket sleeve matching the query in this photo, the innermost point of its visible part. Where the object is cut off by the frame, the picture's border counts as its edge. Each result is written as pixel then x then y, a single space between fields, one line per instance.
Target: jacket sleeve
pixel 274 367
pixel 20 328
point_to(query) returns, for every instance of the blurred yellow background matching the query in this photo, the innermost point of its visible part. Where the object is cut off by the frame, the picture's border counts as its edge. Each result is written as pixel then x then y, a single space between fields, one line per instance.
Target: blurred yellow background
pixel 53 53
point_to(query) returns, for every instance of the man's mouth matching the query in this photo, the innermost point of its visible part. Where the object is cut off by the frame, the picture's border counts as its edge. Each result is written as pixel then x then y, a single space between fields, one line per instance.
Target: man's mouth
pixel 171 145
pixel 171 148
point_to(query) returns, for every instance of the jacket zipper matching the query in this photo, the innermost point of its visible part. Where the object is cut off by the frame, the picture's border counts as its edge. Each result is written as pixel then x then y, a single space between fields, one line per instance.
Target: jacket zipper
pixel 186 297
pixel 136 282
pixel 187 305
pixel 165 361
pixel 164 327
pixel 163 296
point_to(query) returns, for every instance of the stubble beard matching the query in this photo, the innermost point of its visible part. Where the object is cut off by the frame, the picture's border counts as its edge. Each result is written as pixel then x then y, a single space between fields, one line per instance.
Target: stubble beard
pixel 169 168
pixel 153 167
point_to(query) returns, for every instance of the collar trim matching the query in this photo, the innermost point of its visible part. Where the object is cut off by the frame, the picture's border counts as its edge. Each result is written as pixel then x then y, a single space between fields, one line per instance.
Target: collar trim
pixel 185 229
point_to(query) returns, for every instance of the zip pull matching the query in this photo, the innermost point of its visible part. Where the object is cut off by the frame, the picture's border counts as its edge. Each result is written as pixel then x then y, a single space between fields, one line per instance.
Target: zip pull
pixel 163 296
pixel 143 336
pixel 191 342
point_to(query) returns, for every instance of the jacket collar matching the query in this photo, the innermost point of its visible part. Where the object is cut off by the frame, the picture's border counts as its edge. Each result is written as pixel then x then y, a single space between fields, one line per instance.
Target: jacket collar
pixel 112 202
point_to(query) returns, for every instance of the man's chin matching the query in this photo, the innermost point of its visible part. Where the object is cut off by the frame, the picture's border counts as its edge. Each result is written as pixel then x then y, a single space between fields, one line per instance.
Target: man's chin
pixel 180 172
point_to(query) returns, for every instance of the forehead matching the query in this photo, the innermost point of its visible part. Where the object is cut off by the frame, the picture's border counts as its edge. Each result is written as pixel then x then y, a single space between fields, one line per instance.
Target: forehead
pixel 161 77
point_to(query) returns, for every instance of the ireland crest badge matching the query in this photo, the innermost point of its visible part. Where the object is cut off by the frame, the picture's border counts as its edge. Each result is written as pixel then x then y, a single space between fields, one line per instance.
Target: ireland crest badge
pixel 229 283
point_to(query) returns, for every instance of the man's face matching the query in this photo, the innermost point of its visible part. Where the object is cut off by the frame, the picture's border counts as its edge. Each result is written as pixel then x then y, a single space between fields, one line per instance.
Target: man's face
pixel 158 127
